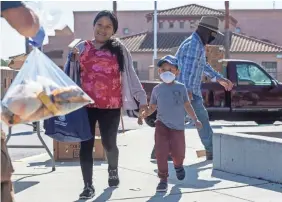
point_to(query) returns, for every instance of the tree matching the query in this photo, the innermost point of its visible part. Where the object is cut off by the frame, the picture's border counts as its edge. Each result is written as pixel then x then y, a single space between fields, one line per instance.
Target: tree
pixel 4 62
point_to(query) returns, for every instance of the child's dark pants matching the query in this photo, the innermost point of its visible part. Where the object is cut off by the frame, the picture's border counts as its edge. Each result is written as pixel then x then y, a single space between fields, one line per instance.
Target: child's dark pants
pixel 168 141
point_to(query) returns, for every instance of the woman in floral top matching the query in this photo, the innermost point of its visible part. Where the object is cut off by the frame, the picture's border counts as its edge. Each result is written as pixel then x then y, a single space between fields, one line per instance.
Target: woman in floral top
pixel 105 69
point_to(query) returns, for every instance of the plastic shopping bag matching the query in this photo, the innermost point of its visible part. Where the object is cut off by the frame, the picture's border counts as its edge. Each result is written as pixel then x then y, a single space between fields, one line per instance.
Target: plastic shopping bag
pixel 41 90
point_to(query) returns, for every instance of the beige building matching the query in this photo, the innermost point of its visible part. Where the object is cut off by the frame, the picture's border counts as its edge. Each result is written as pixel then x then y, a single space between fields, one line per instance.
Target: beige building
pixel 268 22
pixel 253 35
pixel 57 48
pixel 242 47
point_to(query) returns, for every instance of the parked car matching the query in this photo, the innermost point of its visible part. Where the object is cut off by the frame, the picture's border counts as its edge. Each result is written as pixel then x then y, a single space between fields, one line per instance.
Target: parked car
pixel 256 96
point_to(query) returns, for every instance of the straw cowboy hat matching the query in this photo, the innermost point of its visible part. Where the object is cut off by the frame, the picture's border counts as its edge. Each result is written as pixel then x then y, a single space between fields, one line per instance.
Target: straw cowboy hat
pixel 211 23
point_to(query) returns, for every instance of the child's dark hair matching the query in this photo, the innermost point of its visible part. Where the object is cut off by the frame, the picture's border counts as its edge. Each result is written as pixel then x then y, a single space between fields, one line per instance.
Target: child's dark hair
pixel 113 45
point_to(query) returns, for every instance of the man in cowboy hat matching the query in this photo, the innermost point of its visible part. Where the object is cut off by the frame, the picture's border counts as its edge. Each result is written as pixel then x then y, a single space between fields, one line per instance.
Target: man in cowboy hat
pixel 192 62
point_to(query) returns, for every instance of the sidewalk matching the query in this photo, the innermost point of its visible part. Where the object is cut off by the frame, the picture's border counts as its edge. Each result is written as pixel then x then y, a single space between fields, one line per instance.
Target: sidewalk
pixel 34 181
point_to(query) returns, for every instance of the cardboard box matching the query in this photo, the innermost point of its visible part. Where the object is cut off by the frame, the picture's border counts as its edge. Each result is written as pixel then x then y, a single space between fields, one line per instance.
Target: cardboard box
pixel 64 151
pixel 201 153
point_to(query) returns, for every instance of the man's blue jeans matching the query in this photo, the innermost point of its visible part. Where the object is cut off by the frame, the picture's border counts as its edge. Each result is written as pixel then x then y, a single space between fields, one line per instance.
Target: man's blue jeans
pixel 206 132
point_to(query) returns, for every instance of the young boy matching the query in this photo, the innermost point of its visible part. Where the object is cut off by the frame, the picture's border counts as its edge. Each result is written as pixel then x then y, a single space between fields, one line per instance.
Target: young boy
pixel 170 98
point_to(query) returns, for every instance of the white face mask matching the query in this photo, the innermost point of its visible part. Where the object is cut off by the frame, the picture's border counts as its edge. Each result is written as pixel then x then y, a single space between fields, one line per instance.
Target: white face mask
pixel 167 77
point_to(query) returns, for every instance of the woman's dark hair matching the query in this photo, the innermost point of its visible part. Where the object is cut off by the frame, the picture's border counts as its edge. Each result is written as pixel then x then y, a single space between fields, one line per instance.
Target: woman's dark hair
pixel 113 45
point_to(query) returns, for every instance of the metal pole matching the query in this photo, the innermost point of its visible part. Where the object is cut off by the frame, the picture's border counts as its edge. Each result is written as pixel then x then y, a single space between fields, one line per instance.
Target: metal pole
pixel 115 7
pixel 26 46
pixel 227 32
pixel 155 32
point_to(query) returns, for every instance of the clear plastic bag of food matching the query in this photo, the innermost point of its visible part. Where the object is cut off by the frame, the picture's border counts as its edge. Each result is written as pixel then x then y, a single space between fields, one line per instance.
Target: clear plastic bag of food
pixel 41 90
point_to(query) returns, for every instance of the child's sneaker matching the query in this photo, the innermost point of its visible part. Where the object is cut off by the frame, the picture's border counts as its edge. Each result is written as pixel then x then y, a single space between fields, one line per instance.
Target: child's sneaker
pixel 180 173
pixel 162 186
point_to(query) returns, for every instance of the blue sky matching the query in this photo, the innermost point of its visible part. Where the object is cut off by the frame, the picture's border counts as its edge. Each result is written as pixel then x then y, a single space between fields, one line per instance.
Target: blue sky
pixel 12 43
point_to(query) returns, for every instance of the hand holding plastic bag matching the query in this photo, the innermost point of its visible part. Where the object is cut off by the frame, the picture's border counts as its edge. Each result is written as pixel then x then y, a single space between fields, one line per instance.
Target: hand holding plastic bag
pixel 37 40
pixel 41 90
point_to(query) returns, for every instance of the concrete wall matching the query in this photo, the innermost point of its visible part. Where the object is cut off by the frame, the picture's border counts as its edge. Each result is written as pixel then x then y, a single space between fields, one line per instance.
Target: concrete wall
pixel 135 21
pixel 60 42
pixel 189 25
pixel 249 155
pixel 144 60
pixel 262 24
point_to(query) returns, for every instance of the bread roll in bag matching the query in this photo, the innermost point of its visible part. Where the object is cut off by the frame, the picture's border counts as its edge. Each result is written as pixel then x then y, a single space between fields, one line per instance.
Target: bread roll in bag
pixel 22 99
pixel 70 94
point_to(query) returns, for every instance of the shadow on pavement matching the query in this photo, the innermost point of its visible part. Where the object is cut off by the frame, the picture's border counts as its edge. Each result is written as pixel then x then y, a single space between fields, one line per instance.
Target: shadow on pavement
pixel 48 163
pixel 21 186
pixel 120 131
pixel 174 195
pixel 190 126
pixel 250 125
pixel 105 196
pixel 23 133
pixel 192 176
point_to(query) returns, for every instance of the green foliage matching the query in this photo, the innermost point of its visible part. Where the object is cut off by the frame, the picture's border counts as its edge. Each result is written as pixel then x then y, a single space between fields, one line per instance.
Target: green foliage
pixel 4 62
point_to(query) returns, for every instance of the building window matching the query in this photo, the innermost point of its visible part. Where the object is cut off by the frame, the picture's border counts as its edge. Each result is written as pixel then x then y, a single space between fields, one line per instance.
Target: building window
pixel 192 24
pixel 270 68
pixel 171 24
pixel 181 25
pixel 135 66
pixel 125 31
pixel 161 25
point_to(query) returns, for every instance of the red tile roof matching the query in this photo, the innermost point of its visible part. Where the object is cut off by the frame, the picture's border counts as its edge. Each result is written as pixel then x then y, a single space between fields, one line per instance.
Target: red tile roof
pixel 245 44
pixel 144 42
pixel 190 10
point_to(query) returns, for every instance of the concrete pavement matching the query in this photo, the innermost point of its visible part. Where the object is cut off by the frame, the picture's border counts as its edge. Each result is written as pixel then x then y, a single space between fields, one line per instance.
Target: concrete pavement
pixel 34 181
pixel 23 135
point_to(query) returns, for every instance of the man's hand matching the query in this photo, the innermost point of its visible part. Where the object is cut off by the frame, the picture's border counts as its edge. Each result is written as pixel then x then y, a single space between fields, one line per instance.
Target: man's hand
pixel 22 19
pixel 198 124
pixel 227 84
